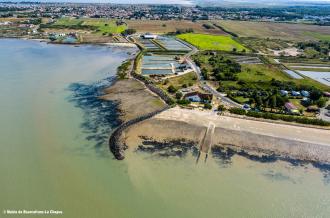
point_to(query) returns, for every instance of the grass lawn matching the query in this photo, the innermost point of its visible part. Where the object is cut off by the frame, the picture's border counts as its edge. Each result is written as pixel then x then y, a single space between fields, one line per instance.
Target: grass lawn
pixel 105 26
pixel 212 42
pixel 297 103
pixel 241 99
pixel 178 81
pixel 68 22
pixel 320 36
pixel 260 76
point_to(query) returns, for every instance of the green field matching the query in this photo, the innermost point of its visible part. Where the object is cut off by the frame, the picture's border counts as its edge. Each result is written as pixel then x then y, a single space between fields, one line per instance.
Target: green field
pixel 100 25
pixel 320 36
pixel 212 42
pixel 188 79
pixel 260 75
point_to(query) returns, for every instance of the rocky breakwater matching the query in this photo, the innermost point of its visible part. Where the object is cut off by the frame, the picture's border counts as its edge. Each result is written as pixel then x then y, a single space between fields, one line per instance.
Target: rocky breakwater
pixel 116 144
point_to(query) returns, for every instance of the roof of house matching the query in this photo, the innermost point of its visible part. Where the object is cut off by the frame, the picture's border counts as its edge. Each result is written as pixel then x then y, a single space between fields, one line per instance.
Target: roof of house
pixel 206 96
pixel 290 106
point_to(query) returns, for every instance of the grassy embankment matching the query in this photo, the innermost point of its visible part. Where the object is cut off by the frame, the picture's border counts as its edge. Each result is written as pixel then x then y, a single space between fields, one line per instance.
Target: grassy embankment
pixel 212 42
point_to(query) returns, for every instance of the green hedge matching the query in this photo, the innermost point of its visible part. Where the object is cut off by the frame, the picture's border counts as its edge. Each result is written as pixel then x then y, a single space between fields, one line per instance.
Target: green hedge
pixel 272 116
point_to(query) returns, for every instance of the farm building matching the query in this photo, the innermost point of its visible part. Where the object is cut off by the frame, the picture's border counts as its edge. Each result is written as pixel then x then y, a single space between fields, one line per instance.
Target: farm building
pixel 198 97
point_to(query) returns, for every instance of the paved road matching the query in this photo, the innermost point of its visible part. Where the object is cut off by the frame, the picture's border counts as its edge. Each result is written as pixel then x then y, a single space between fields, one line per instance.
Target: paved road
pixel 219 95
pixel 323 111
pixel 204 85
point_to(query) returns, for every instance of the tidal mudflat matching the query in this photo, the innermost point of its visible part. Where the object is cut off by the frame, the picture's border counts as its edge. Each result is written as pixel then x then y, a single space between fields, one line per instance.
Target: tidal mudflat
pixel 54 153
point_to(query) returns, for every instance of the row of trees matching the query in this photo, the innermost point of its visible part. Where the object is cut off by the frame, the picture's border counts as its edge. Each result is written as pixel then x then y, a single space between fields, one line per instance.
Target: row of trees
pixel 272 116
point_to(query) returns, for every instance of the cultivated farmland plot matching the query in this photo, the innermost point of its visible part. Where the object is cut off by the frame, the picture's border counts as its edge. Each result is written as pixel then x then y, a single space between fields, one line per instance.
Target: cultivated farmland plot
pixel 212 42
pixel 285 31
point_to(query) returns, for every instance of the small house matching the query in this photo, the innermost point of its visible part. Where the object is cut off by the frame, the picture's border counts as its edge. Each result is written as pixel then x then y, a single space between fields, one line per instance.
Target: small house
pixel 291 108
pixel 305 100
pixel 313 109
pixel 284 92
pixel 198 97
pixel 295 93
pixel 326 94
pixel 305 93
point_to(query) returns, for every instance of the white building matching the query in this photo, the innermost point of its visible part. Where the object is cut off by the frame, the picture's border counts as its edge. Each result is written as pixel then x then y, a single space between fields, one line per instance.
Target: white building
pixel 149 36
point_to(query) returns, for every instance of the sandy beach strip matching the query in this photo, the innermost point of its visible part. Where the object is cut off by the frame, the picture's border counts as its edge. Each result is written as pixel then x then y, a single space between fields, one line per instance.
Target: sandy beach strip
pixel 310 135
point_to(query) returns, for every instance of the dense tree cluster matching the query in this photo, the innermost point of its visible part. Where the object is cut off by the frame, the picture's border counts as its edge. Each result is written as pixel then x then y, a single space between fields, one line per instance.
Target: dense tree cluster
pixel 223 68
pixel 321 48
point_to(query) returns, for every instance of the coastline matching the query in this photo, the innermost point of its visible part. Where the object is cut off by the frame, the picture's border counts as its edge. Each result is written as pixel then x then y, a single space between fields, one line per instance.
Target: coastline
pixel 135 100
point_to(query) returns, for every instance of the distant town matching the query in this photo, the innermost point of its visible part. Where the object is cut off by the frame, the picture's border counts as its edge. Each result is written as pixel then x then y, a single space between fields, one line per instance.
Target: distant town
pixel 305 14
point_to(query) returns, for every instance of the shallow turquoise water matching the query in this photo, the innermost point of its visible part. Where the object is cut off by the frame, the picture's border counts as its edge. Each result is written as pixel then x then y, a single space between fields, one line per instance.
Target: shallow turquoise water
pixel 48 159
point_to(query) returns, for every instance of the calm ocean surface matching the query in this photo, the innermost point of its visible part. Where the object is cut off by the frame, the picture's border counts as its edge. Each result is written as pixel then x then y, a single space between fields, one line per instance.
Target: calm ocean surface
pixel 54 155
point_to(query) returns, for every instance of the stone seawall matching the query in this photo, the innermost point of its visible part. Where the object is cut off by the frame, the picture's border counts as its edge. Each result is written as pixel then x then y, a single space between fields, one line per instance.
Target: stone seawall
pixel 117 147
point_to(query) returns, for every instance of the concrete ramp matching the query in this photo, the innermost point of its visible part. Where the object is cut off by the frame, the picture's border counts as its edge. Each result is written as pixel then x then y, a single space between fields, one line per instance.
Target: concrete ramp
pixel 206 142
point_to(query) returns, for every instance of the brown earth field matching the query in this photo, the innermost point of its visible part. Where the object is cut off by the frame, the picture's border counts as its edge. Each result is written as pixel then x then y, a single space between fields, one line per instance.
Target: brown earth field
pixel 274 30
pixel 161 27
pixel 133 98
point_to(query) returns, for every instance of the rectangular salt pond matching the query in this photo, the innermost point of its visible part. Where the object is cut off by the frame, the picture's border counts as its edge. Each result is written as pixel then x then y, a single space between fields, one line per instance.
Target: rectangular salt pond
pixel 156 71
pixel 293 74
pixel 312 67
pixel 322 77
pixel 173 44
pixel 148 44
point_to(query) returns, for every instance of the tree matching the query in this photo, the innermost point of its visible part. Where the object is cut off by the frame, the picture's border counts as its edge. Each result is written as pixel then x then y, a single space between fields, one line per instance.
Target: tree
pixel 178 95
pixel 221 107
pixel 315 94
pixel 272 102
pixel 321 102
pixel 208 106
pixel 171 89
pixel 259 102
pixel 129 31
